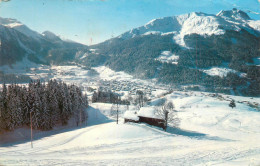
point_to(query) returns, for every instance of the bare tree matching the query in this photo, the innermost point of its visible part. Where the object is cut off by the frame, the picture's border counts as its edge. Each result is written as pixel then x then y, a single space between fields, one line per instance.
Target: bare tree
pixel 140 98
pixel 113 110
pixel 168 113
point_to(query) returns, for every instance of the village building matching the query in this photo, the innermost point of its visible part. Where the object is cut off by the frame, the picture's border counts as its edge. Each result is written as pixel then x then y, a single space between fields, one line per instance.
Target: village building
pixel 145 115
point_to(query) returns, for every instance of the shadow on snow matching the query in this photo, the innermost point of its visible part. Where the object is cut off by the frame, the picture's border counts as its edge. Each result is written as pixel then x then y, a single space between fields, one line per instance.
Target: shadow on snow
pixel 193 134
pixel 95 117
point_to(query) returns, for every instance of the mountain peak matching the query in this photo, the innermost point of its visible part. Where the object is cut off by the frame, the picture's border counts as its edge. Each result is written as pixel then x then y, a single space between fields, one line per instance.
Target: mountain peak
pixel 234 13
pixel 50 36
pixel 17 25
pixel 196 23
pixel 9 22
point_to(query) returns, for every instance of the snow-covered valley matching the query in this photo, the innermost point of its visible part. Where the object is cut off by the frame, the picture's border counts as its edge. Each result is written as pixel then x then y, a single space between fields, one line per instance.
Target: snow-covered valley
pixel 210 132
pixel 179 90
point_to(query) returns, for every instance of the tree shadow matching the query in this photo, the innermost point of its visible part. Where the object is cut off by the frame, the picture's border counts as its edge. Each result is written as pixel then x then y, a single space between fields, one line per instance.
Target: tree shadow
pixel 95 117
pixel 194 134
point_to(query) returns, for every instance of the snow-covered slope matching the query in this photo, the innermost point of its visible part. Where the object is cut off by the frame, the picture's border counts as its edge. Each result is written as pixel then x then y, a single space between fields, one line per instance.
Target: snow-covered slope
pixel 15 24
pixel 221 71
pixel 17 41
pixel 234 14
pixel 199 23
pixel 50 36
pixel 254 24
pixel 211 133
pixel 168 57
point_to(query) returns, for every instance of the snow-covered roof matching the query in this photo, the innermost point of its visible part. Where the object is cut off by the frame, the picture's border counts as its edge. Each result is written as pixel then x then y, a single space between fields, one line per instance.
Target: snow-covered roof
pixel 131 115
pixel 149 112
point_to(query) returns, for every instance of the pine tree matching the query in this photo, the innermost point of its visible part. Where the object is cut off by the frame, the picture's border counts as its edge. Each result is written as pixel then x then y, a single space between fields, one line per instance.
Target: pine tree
pixel 65 112
pixel 53 107
pixel 94 97
pixel 76 105
pixel 36 111
pixel 3 108
pixel 14 111
pixel 24 96
pixel 232 104
pixel 46 123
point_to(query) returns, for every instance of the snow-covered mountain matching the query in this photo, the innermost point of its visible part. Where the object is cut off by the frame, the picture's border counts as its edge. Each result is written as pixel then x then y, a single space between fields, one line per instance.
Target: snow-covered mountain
pixel 199 23
pixel 17 41
pixel 51 36
pixel 194 48
pixel 17 25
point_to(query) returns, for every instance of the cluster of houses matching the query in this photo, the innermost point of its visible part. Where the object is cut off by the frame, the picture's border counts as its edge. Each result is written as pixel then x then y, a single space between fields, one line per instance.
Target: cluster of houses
pixel 129 86
pixel 145 115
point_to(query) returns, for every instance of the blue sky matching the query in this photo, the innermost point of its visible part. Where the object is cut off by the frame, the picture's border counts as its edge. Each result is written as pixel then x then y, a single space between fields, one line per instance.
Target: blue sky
pixel 97 20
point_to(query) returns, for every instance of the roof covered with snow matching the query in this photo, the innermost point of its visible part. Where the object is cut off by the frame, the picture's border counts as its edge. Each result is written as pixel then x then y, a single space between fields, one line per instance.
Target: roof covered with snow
pixel 149 112
pixel 131 115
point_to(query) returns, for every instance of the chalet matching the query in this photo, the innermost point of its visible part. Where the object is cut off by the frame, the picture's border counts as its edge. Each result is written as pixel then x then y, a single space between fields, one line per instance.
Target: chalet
pixel 131 116
pixel 145 115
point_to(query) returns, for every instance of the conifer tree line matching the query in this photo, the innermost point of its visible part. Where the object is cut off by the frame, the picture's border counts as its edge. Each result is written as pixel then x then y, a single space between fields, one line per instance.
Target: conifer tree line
pixel 49 104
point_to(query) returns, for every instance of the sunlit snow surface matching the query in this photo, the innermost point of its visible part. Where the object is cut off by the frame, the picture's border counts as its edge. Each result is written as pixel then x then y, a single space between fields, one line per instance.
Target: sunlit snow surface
pixel 210 132
pixel 168 57
pixel 196 22
pixel 221 71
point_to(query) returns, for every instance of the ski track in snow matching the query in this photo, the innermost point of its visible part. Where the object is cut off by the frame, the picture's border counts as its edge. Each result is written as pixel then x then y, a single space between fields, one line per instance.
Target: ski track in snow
pixel 123 156
pixel 148 146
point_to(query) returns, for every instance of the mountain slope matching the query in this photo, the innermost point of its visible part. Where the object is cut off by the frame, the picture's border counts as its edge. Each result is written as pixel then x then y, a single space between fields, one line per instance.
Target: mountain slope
pixel 196 22
pixel 228 40
pixel 18 42
pixel 15 24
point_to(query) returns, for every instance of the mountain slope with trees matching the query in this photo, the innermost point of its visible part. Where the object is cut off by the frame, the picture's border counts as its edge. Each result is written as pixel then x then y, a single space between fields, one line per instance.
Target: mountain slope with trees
pixel 17 41
pixel 201 41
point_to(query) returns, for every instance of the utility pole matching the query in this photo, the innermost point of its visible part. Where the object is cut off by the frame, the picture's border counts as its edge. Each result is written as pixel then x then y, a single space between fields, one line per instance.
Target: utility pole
pixel 80 120
pixel 117 102
pixel 117 112
pixel 31 130
pixel 166 119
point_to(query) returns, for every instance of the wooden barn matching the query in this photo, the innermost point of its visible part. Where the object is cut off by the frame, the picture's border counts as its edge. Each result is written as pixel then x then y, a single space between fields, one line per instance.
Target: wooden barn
pixel 153 121
pixel 145 115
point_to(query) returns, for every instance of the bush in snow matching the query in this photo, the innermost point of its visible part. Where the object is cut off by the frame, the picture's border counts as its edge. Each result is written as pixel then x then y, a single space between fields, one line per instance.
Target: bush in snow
pixel 232 104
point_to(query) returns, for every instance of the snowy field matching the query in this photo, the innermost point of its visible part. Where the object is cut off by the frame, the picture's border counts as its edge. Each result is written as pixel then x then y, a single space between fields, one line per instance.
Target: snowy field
pixel 210 133
pixel 168 57
pixel 221 71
